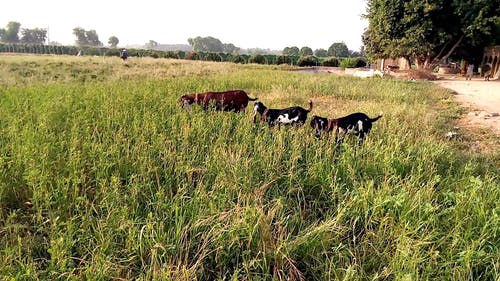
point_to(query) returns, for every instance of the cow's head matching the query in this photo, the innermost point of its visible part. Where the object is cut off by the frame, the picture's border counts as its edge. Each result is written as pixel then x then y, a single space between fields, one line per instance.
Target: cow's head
pixel 186 100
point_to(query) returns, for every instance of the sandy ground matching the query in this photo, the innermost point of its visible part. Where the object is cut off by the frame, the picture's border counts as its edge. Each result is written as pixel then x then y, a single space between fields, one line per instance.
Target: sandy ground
pixel 480 98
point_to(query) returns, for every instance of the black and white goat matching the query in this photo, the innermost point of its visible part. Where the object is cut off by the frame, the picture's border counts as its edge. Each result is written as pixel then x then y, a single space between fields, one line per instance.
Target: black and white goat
pixel 358 124
pixel 294 115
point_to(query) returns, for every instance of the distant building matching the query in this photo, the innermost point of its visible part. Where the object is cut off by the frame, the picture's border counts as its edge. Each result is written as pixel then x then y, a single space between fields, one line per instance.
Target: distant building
pixel 492 57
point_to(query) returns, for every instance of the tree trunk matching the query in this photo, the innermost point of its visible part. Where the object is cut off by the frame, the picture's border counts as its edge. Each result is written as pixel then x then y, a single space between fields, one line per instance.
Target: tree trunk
pixel 438 59
pixel 423 62
pixel 426 62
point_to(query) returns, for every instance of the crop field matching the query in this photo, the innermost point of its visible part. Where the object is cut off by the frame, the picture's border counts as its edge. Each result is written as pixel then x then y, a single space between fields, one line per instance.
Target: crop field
pixel 103 176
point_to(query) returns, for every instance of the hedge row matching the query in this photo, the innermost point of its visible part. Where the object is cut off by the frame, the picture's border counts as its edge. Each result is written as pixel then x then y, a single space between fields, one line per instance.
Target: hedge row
pixel 191 55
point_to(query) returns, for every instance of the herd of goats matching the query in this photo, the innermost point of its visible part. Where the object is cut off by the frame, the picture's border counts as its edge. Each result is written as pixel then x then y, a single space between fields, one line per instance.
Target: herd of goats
pixel 357 124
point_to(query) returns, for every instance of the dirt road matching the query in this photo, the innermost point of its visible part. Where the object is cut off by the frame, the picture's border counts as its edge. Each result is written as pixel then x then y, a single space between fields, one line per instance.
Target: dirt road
pixel 481 98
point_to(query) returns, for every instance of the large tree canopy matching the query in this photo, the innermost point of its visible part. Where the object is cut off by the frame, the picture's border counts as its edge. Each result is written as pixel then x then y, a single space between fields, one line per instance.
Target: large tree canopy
pixel 211 44
pixel 291 51
pixel 306 51
pixel 86 37
pixel 33 36
pixel 338 50
pixel 113 41
pixel 206 44
pixel 428 31
pixel 11 33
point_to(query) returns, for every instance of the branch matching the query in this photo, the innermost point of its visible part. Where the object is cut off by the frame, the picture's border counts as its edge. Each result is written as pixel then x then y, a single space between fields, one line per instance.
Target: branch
pixel 437 59
pixel 453 48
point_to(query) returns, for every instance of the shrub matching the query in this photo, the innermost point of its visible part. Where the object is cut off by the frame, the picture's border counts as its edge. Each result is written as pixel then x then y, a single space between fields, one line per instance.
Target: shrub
pixel 213 57
pixel 361 62
pixel 113 53
pixel 238 59
pixel 270 59
pixel 191 55
pixel 353 62
pixel 307 61
pixel 331 62
pixel 171 55
pixel 259 59
pixel 283 60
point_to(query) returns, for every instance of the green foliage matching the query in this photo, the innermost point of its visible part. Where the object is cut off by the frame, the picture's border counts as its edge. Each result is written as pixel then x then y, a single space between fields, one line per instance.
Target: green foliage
pixel 11 33
pixel 283 60
pixel 206 44
pixel 230 48
pixel 308 61
pixel 191 56
pixel 306 51
pixel 334 62
pixel 321 53
pixel 33 36
pixel 291 51
pixel 258 59
pixel 86 37
pixel 416 28
pixel 81 39
pixel 151 45
pixel 104 176
pixel 213 57
pixel 113 41
pixel 93 38
pixel 238 59
pixel 352 62
pixel 113 52
pixel 338 50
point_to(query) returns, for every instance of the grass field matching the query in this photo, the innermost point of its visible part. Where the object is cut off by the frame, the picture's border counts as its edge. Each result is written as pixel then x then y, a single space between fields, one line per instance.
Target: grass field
pixel 104 177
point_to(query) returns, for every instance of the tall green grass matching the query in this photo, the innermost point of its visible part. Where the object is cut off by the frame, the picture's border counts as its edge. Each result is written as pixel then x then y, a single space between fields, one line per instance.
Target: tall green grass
pixel 108 178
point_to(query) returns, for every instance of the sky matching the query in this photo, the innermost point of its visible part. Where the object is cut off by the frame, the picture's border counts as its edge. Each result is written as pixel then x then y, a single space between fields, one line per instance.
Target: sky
pixel 265 24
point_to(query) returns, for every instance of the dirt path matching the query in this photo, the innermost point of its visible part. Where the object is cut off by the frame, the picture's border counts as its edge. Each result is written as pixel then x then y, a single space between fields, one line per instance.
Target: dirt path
pixel 480 98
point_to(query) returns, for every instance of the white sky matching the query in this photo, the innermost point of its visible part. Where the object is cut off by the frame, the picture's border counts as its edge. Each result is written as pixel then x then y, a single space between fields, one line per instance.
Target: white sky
pixel 270 24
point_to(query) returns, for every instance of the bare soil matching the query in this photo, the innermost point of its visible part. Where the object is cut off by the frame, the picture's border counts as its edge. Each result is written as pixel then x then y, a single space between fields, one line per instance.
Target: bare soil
pixel 480 98
pixel 481 121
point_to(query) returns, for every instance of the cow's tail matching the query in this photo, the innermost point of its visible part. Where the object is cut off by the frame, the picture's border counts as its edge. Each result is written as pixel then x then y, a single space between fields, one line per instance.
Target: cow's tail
pixel 249 98
pixel 376 118
pixel 310 106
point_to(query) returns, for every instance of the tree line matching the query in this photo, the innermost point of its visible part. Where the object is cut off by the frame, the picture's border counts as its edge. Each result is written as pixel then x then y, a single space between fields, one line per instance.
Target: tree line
pixel 270 59
pixel 10 35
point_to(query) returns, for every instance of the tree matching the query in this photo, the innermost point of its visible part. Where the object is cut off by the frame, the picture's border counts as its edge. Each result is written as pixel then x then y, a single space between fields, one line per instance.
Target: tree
pixel 151 45
pixel 86 37
pixel 206 44
pixel 93 38
pixel 81 39
pixel 306 51
pixel 231 48
pixel 428 31
pixel 291 51
pixel 11 33
pixel 321 53
pixel 113 41
pixel 259 59
pixel 33 36
pixel 338 50
pixel 354 53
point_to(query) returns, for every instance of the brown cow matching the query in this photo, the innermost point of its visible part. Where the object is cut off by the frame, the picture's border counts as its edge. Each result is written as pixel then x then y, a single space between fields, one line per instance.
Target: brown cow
pixel 234 100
